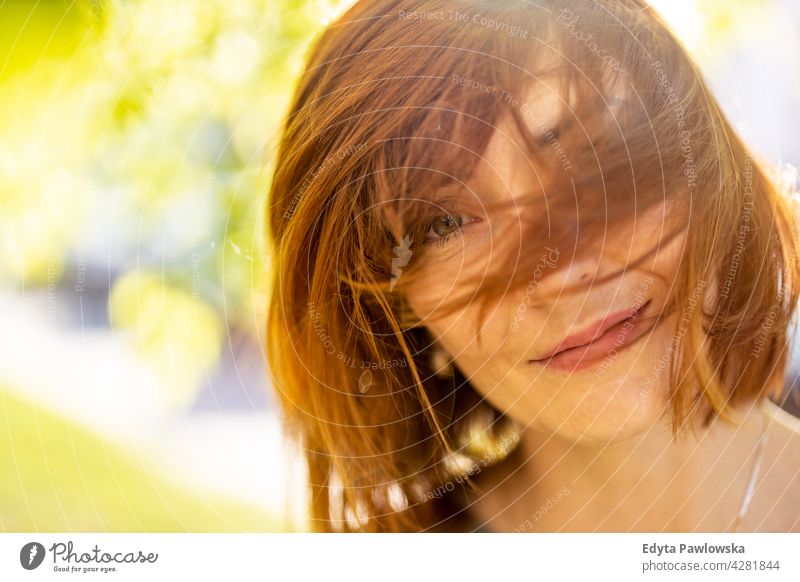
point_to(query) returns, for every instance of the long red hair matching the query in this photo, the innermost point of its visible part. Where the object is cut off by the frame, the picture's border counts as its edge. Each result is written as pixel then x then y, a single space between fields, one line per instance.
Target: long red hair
pixel 380 122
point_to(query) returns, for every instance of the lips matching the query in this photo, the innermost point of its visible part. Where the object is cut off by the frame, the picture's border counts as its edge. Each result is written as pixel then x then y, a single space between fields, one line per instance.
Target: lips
pixel 598 341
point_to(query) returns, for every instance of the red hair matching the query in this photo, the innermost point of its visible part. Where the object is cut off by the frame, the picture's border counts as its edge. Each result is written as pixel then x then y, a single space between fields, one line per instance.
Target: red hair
pixel 399 99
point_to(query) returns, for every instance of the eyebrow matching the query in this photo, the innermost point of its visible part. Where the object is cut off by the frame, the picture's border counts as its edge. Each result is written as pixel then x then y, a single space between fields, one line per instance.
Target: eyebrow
pixel 557 130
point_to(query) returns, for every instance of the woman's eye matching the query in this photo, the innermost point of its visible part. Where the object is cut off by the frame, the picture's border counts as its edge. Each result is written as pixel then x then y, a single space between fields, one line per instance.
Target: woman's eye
pixel 445 226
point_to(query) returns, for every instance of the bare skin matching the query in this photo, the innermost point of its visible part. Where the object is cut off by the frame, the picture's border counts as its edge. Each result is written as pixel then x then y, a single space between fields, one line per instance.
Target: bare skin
pixel 599 450
pixel 649 483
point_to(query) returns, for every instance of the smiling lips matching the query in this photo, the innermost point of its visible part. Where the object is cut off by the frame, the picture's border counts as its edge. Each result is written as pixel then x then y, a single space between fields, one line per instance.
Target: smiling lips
pixel 590 346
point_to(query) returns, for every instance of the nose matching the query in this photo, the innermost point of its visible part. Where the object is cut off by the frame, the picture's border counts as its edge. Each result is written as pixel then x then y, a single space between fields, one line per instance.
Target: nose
pixel 583 272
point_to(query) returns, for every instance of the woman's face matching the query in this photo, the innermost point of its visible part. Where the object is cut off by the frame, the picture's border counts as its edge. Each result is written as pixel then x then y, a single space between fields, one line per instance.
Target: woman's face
pixel 612 387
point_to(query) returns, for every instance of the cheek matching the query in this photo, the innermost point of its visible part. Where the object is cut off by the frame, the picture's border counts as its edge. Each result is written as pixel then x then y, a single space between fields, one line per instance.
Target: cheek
pixel 439 287
pixel 452 274
pixel 477 342
pixel 426 298
pixel 473 337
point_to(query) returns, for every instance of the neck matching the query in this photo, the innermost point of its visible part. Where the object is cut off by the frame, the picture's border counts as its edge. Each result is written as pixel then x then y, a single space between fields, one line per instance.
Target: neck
pixel 651 482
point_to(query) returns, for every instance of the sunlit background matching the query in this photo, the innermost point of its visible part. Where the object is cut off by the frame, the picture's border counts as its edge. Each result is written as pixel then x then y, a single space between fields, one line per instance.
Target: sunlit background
pixel 136 139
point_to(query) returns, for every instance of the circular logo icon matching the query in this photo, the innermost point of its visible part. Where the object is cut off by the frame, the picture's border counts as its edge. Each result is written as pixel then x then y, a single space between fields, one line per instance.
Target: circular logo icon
pixel 31 555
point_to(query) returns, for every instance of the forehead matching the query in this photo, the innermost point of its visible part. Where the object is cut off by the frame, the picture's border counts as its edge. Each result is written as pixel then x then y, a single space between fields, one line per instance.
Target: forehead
pixel 507 167
pixel 551 120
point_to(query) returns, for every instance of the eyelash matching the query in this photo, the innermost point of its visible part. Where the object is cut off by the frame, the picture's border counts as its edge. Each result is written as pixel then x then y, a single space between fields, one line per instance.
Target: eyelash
pixel 442 241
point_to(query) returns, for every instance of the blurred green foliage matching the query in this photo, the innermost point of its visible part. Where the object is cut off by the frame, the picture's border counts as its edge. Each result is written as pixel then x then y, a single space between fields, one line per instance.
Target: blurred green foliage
pixel 135 140
pixel 135 148
pixel 136 136
pixel 57 477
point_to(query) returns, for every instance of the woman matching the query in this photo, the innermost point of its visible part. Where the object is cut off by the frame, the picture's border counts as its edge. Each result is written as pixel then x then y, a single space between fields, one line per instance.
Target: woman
pixel 528 278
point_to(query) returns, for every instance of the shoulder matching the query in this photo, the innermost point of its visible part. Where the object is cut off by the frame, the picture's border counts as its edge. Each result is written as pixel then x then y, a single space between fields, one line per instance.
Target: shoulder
pixel 783 418
pixel 778 490
pixel 783 435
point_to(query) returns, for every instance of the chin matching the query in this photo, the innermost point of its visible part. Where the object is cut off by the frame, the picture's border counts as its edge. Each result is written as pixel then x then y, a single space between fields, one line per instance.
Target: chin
pixel 611 411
